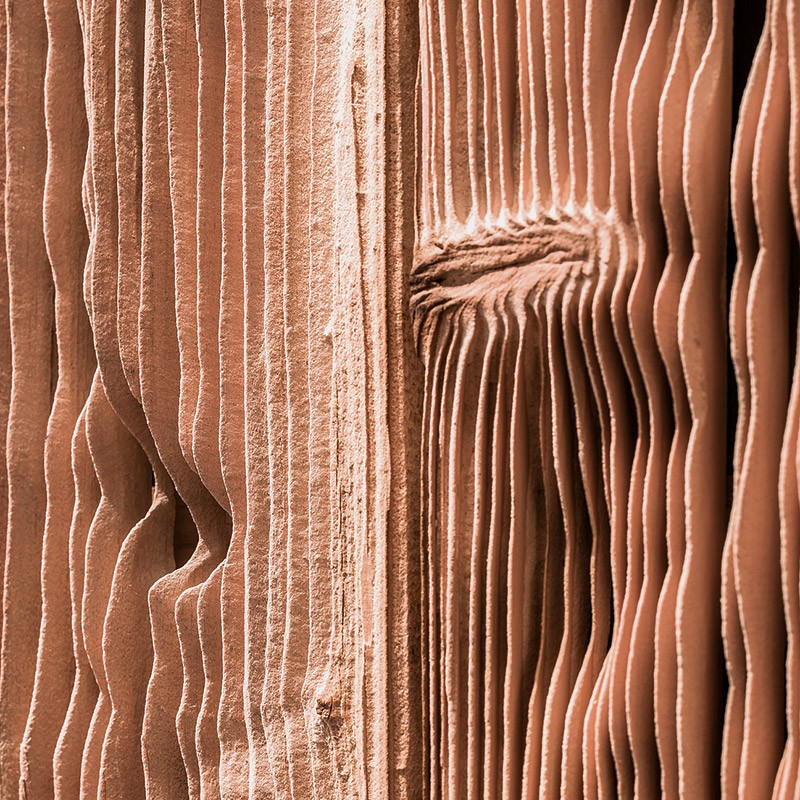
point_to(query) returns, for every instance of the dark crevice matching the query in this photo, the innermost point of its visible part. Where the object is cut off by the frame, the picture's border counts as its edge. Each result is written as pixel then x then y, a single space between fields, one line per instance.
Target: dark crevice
pixel 748 23
pixel 185 539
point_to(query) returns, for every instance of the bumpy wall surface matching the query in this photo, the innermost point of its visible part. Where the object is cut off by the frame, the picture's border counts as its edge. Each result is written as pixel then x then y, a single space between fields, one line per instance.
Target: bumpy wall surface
pixel 402 399
pixel 611 586
pixel 200 477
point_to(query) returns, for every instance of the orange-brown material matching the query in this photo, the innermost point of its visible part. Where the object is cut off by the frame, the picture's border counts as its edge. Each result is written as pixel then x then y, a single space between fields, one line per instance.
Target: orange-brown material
pixel 255 545
pixel 204 270
pixel 611 600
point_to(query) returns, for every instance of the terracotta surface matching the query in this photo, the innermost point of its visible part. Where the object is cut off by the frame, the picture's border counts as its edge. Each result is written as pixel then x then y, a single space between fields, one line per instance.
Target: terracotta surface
pixel 196 314
pixel 402 399
pixel 610 586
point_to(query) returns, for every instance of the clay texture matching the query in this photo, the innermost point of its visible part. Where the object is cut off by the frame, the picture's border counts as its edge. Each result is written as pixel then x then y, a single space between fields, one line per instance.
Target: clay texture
pixel 401 399
pixel 195 323
pixel 610 585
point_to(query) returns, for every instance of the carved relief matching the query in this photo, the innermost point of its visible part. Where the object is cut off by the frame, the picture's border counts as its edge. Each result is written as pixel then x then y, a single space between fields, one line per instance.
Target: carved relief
pixel 228 225
pixel 589 590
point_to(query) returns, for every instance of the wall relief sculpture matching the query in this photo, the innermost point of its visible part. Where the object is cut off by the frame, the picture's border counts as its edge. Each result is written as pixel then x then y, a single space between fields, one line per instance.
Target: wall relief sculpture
pixel 401 399
pixel 611 590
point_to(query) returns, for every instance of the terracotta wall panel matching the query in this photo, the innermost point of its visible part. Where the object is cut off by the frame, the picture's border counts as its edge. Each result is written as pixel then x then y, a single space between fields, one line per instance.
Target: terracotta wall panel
pixel 400 399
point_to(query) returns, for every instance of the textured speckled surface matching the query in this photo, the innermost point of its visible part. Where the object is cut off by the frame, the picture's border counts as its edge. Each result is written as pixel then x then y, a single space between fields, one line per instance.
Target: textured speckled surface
pixel 205 283
pixel 401 399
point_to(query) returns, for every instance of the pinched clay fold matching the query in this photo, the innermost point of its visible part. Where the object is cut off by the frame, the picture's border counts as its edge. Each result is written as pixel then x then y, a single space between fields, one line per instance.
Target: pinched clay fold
pixel 568 292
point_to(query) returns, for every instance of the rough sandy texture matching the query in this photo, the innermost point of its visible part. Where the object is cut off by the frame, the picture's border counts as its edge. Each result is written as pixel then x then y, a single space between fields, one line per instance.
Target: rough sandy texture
pixel 206 471
pixel 609 590
pixel 364 373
